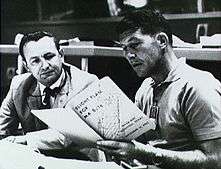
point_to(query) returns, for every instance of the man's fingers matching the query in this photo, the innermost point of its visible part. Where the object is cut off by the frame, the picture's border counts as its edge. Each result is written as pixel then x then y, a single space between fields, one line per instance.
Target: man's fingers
pixel 109 144
pixel 10 139
pixel 112 151
pixel 116 148
pixel 16 139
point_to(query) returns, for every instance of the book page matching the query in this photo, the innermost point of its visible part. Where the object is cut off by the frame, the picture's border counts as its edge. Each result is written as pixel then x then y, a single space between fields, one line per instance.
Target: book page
pixel 66 121
pixel 105 108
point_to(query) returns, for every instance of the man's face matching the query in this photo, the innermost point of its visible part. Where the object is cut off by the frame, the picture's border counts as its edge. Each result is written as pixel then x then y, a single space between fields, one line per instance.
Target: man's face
pixel 43 60
pixel 142 51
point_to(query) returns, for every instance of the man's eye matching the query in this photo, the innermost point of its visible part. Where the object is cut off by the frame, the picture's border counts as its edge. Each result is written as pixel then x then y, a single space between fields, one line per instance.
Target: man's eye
pixel 34 61
pixel 134 45
pixel 49 56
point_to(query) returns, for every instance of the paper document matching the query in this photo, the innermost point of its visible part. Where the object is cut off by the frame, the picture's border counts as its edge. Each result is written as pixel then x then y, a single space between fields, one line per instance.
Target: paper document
pixel 17 156
pixel 101 110
pixel 66 121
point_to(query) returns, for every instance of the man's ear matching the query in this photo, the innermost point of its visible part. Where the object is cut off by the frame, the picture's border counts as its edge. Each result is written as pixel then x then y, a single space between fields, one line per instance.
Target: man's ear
pixel 24 64
pixel 162 39
pixel 21 65
pixel 61 52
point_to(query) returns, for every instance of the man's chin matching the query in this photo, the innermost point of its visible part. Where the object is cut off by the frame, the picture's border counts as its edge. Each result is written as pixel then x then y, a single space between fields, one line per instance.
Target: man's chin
pixel 142 74
pixel 48 81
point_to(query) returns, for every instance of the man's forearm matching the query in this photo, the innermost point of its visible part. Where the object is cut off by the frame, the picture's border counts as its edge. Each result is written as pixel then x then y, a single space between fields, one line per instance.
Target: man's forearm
pixel 47 139
pixel 173 159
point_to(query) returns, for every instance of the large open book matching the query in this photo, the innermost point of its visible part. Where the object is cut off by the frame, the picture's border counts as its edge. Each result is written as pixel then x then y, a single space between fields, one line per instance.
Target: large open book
pixel 101 111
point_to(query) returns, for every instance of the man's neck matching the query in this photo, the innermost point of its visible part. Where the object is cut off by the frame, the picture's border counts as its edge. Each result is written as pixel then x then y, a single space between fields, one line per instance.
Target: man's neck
pixel 167 63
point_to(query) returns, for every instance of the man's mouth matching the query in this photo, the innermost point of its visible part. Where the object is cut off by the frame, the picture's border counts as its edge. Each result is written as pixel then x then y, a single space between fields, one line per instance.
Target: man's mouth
pixel 48 73
pixel 135 64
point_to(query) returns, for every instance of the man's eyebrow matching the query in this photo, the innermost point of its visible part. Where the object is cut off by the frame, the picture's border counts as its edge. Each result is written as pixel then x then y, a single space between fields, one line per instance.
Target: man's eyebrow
pixel 131 39
pixel 33 57
pixel 134 39
pixel 48 53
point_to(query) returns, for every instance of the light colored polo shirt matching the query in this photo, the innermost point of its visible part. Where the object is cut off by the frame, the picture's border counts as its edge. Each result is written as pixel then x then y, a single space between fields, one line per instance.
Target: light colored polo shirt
pixel 189 102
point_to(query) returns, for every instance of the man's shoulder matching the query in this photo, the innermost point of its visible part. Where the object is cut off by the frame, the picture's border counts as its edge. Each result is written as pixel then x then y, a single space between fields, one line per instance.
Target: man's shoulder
pixel 200 83
pixel 77 73
pixel 200 79
pixel 79 79
pixel 20 79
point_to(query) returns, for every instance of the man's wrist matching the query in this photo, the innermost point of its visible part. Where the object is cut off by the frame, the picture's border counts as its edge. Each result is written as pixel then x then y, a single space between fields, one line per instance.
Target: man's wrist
pixel 157 159
pixel 153 155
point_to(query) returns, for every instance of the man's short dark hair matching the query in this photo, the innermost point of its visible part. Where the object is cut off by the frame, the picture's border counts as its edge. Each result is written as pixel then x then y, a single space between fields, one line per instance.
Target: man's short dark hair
pixel 146 19
pixel 35 36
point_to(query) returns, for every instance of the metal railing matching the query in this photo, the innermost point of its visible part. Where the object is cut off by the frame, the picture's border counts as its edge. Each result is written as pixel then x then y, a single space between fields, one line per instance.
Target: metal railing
pixel 206 54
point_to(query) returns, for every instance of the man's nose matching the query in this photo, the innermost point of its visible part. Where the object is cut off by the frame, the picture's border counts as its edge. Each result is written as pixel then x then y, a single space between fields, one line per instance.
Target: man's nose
pixel 130 55
pixel 45 63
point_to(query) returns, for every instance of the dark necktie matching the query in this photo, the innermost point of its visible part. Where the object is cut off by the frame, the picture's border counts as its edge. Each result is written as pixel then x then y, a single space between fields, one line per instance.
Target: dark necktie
pixel 52 92
pixel 48 93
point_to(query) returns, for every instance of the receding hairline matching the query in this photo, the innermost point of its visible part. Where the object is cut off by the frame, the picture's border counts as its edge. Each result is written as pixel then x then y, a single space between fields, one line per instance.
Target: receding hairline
pixel 35 41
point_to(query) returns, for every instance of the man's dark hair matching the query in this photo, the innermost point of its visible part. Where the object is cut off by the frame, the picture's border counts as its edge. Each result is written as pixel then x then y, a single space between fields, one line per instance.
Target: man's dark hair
pixel 35 36
pixel 146 19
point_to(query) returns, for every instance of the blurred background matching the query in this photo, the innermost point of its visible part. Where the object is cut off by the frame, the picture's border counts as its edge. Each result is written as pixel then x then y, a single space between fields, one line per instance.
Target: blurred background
pixel 95 20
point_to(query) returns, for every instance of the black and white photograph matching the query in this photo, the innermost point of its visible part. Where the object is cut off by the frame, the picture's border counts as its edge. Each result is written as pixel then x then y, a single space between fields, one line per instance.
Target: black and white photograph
pixel 110 84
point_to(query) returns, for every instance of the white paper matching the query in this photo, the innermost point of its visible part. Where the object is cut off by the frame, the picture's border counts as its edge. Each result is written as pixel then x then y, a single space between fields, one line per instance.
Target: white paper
pixel 17 156
pixel 66 121
pixel 101 111
pixel 214 40
pixel 110 112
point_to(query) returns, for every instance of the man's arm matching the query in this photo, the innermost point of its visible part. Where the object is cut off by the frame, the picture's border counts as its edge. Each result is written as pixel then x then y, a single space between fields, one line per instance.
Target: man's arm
pixel 8 117
pixel 208 156
pixel 44 139
pixel 47 139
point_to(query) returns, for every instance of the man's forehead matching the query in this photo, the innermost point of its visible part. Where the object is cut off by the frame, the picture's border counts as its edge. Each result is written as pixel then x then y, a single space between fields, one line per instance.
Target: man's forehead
pixel 40 47
pixel 127 37
pixel 44 41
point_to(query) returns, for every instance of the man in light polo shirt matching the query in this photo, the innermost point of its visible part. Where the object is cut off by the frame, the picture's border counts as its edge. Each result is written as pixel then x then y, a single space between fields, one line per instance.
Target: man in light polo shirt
pixel 185 102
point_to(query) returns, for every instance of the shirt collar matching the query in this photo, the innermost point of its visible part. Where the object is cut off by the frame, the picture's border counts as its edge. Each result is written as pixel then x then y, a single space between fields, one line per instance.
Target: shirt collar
pixel 175 73
pixel 56 84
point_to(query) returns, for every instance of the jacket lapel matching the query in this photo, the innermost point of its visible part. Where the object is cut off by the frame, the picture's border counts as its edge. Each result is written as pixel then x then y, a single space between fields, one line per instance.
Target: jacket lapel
pixel 26 97
pixel 34 98
pixel 63 95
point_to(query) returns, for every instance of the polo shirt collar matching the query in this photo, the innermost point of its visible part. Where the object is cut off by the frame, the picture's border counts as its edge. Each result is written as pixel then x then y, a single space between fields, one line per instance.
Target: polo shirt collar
pixel 175 73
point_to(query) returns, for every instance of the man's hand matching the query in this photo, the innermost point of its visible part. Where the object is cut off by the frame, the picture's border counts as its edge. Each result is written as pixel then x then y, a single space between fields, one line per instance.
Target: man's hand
pixel 116 148
pixel 16 139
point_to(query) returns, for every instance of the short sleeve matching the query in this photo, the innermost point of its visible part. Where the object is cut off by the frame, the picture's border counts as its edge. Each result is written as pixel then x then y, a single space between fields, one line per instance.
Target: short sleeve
pixel 202 109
